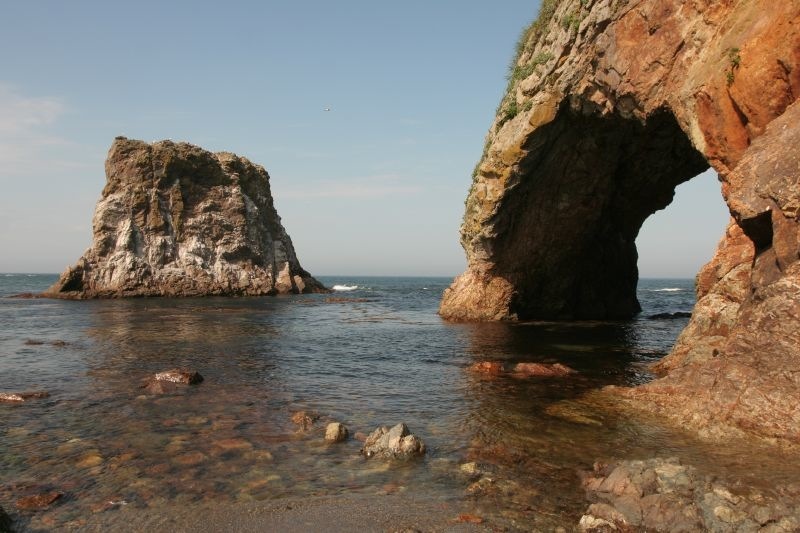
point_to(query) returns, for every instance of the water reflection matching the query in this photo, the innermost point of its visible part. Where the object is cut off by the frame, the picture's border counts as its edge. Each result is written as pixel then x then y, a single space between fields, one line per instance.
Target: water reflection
pixel 380 359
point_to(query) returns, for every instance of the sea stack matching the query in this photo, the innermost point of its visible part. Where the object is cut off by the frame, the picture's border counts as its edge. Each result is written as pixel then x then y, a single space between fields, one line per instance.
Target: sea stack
pixel 177 220
pixel 610 105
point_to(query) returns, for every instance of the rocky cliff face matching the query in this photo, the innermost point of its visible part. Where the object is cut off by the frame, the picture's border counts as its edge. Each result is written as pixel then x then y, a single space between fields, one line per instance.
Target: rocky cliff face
pixel 611 104
pixel 176 220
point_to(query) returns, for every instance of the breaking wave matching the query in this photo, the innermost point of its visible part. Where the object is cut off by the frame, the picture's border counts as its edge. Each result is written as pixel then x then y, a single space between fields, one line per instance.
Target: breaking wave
pixel 345 287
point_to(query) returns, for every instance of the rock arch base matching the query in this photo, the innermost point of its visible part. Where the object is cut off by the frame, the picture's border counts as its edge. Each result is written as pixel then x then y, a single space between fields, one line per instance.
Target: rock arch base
pixel 614 113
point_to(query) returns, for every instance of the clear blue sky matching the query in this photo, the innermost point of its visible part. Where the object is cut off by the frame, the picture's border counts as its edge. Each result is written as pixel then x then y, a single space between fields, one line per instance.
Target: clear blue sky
pixel 376 186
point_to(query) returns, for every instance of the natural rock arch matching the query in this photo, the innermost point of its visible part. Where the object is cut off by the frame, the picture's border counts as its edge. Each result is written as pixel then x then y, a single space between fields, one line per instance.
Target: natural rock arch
pixel 611 104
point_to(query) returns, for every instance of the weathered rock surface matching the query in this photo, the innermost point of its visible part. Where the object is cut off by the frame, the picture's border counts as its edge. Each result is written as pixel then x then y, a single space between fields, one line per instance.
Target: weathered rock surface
pixel 665 495
pixel 397 443
pixel 611 105
pixel 176 220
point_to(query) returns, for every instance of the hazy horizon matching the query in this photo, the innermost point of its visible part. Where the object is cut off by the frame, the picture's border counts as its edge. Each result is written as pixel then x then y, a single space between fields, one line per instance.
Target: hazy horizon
pixel 374 185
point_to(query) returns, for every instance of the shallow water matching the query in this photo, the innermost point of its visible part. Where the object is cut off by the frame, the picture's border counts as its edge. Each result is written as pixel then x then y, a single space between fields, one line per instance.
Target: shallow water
pixel 377 354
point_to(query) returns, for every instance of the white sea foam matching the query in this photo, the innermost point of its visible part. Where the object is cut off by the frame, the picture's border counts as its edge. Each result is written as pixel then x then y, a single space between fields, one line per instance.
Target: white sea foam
pixel 345 287
pixel 670 289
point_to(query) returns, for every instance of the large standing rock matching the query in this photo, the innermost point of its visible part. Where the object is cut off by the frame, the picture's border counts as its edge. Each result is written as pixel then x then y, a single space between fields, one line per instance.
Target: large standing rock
pixel 611 104
pixel 176 220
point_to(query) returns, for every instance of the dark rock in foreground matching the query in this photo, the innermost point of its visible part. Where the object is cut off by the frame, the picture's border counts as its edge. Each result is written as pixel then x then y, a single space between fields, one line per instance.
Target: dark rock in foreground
pixel 5 522
pixel 397 442
pixel 19 397
pixel 176 220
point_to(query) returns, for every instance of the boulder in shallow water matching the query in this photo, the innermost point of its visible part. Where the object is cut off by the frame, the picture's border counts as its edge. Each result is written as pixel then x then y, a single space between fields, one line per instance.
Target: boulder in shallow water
pixel 169 380
pixel 19 397
pixel 397 442
pixel 492 368
pixel 180 375
pixel 336 432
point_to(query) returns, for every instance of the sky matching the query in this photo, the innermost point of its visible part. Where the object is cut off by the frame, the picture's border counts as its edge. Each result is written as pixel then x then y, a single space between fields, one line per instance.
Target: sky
pixel 373 187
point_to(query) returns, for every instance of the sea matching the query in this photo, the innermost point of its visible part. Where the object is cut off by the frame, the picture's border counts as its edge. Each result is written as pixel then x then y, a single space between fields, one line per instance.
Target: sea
pixel 372 353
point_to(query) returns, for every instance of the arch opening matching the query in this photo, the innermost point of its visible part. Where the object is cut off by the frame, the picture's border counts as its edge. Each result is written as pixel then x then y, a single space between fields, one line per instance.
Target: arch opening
pixel 583 192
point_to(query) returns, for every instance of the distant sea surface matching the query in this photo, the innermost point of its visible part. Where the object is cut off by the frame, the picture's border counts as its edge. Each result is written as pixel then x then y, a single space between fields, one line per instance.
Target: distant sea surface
pixel 372 353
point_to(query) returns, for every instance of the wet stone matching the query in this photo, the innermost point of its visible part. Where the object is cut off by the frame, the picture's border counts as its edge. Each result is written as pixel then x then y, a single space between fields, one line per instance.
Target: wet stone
pixel 179 375
pixel 397 442
pixel 336 432
pixel 38 502
pixel 18 397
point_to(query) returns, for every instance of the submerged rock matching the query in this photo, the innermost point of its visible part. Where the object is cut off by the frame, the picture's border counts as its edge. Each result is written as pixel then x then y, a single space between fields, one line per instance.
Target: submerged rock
pixel 487 367
pixel 176 220
pixel 38 502
pixel 336 432
pixel 18 397
pixel 397 442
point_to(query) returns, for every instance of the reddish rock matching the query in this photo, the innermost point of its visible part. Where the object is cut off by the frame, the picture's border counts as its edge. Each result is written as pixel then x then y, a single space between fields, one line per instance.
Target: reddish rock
pixel 487 367
pixel 610 106
pixel 542 370
pixel 38 502
pixel 17 397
